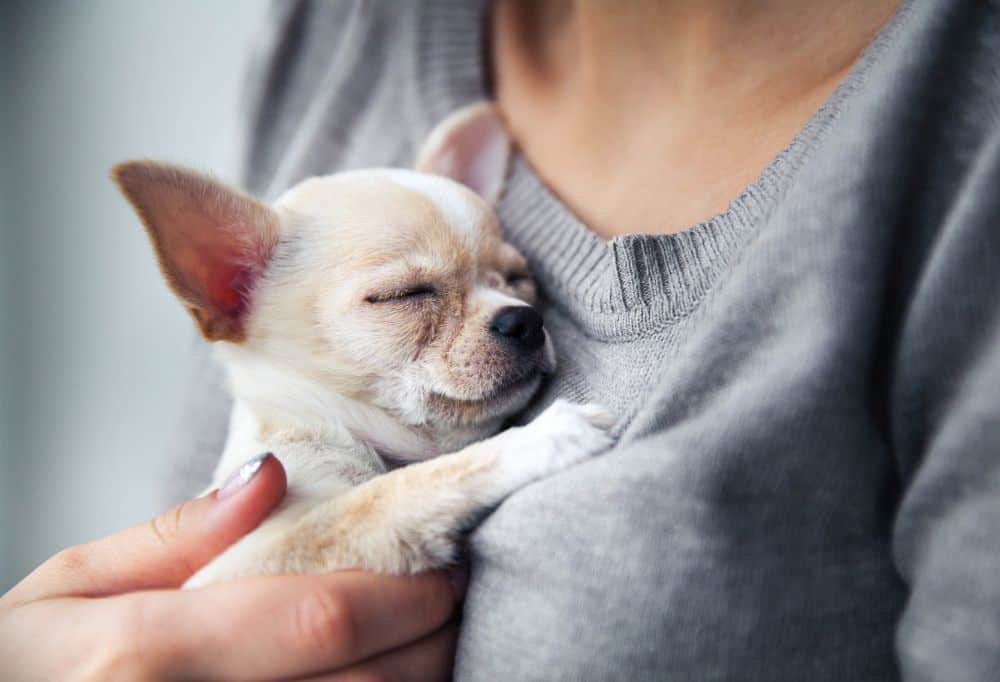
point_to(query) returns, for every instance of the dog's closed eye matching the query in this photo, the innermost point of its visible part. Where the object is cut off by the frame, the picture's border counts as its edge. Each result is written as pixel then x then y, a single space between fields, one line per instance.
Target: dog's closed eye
pixel 422 291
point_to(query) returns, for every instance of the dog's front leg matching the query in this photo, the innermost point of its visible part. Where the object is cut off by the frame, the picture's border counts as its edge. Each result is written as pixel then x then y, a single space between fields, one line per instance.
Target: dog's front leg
pixel 411 519
pixel 318 471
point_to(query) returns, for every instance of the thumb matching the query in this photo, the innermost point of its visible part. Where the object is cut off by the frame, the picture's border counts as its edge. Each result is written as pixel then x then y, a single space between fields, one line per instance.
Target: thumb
pixel 167 550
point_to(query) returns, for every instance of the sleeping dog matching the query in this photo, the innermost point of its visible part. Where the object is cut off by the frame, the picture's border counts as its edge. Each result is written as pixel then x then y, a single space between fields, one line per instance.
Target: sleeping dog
pixel 367 320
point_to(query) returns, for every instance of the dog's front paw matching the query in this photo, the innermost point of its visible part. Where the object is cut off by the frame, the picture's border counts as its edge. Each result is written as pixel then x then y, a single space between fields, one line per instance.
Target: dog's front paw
pixel 564 434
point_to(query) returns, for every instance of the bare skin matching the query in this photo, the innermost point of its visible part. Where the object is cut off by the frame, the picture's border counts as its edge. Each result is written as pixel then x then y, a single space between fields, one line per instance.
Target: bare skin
pixel 650 116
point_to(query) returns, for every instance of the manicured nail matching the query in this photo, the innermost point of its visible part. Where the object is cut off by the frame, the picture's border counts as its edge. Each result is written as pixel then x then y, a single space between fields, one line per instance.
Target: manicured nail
pixel 459 580
pixel 243 476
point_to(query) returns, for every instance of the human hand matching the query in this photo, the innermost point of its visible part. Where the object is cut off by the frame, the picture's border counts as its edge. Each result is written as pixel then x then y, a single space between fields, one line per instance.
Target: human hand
pixel 111 609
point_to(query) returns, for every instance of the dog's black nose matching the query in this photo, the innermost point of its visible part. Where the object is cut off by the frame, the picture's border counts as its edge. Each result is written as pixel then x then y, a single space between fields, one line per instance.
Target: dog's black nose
pixel 521 325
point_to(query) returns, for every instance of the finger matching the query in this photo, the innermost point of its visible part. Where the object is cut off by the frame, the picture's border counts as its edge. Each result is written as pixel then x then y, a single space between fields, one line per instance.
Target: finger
pixel 168 549
pixel 428 660
pixel 289 626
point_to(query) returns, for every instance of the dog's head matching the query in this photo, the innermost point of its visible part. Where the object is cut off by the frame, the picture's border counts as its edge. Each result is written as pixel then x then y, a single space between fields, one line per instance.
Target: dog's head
pixel 391 288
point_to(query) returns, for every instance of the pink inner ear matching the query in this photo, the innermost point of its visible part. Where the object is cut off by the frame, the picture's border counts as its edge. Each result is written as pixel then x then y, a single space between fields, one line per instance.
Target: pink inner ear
pixel 214 255
pixel 228 287
pixel 215 266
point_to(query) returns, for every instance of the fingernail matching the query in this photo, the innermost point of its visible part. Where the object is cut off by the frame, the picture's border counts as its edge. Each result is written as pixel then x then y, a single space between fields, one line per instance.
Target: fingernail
pixel 459 576
pixel 242 476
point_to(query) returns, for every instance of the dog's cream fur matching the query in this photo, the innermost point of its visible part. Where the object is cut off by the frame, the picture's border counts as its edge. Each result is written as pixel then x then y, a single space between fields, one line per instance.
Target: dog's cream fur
pixel 353 317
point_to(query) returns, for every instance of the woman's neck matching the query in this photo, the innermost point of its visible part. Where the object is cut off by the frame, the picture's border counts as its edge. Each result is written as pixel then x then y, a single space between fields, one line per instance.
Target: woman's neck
pixel 651 115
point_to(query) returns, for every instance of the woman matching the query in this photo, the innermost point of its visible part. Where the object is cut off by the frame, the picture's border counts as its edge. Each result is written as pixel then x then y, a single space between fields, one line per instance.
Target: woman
pixel 765 234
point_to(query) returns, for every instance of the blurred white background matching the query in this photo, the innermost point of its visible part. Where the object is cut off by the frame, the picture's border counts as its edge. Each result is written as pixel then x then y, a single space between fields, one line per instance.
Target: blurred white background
pixel 95 353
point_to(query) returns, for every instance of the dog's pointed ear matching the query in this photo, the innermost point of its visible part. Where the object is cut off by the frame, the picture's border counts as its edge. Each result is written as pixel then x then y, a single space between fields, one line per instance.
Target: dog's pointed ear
pixel 212 242
pixel 472 147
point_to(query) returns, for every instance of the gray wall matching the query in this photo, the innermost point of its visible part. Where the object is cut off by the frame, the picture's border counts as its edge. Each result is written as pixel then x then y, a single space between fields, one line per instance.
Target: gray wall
pixel 95 353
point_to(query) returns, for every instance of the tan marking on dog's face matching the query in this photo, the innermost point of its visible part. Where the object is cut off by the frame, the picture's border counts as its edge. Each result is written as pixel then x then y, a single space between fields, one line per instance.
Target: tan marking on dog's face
pixel 385 284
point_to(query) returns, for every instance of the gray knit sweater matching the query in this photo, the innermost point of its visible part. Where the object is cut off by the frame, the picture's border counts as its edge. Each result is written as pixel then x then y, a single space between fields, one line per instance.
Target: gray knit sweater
pixel 808 485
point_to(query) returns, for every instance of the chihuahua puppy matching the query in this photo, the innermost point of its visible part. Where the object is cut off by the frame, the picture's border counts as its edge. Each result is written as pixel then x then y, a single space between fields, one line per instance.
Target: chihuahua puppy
pixel 368 319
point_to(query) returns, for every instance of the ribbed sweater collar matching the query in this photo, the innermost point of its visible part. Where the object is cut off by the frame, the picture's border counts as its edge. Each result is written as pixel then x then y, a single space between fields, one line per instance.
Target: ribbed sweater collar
pixel 635 285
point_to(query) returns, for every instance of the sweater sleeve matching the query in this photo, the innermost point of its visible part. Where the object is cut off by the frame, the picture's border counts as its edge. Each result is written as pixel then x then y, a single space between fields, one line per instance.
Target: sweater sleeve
pixel 946 429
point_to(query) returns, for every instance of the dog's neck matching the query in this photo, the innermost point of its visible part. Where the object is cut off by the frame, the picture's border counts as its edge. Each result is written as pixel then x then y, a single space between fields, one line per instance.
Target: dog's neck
pixel 288 400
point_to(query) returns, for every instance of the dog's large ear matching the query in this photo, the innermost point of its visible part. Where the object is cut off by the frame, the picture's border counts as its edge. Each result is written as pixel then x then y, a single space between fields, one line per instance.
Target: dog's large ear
pixel 470 146
pixel 212 242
